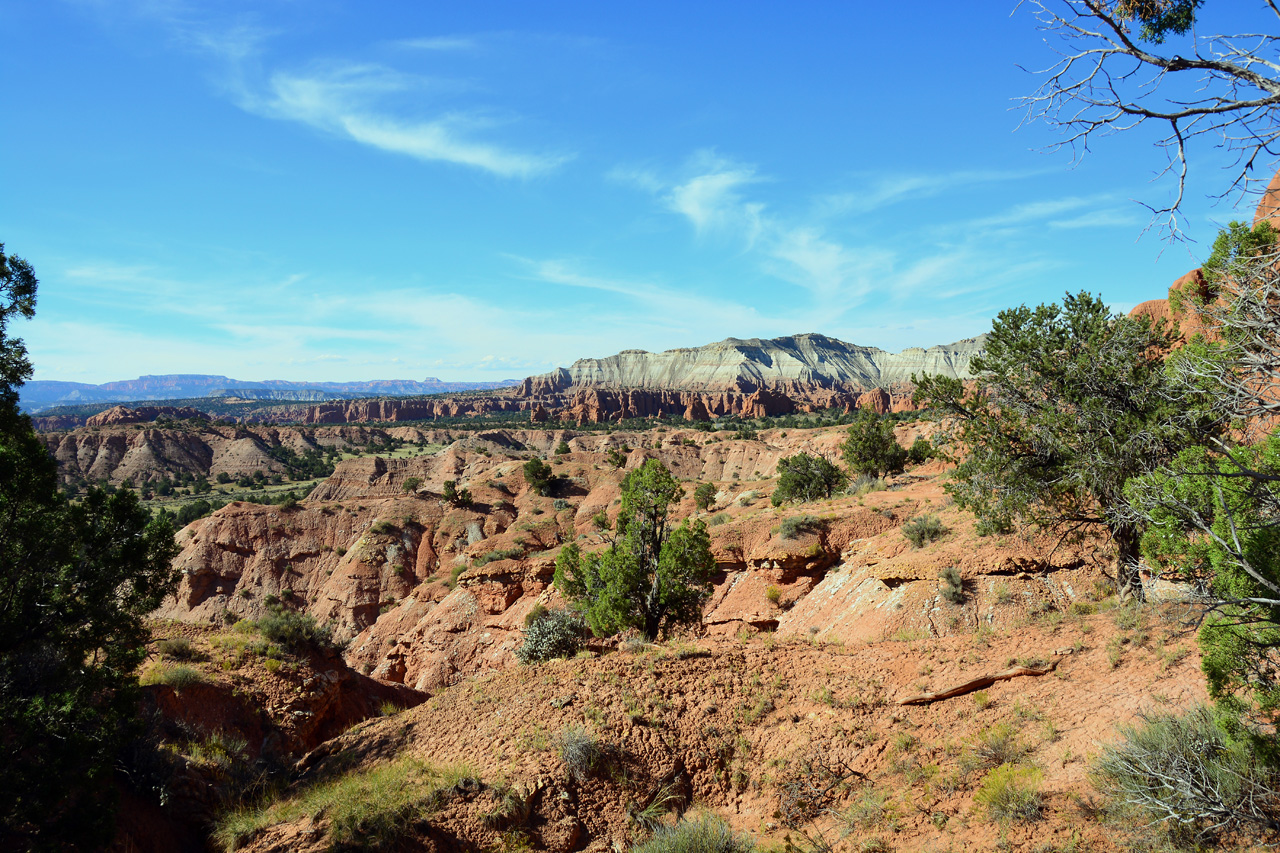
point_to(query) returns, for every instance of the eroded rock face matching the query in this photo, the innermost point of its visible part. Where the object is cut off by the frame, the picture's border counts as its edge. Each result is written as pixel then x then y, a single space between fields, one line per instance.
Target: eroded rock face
pixel 144 453
pixel 750 365
pixel 118 415
pixel 427 593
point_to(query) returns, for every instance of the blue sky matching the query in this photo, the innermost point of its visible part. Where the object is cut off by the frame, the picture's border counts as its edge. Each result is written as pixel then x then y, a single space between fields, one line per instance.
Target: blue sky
pixel 333 190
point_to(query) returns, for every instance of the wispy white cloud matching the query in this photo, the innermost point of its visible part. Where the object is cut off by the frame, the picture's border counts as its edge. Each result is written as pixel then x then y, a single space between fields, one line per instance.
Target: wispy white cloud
pixel 359 101
pixel 881 191
pixel 1099 219
pixel 712 201
pixel 662 306
pixel 815 251
pixel 344 100
pixel 804 256
pixel 439 43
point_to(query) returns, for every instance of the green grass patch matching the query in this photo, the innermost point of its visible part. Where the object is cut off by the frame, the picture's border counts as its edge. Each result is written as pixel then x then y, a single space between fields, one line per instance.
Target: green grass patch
pixel 367 810
pixel 173 676
pixel 1011 793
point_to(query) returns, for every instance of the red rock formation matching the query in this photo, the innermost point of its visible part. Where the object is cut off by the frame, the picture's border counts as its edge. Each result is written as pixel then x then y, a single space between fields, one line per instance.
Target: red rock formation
pixel 878 401
pixel 1269 205
pixel 117 415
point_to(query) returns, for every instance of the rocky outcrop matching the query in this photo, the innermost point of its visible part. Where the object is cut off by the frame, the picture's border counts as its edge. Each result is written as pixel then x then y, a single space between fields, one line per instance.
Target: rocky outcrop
pixel 119 415
pixel 144 453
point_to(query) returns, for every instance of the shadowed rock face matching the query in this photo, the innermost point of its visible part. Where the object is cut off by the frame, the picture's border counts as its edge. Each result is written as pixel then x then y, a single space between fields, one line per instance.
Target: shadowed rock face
pixel 811 361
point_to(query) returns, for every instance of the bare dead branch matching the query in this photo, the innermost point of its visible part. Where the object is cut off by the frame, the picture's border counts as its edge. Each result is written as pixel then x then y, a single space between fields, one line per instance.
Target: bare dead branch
pixel 1224 89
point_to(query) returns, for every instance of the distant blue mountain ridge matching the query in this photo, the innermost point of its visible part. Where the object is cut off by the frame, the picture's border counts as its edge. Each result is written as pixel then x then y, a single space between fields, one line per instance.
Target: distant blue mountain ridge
pixel 43 394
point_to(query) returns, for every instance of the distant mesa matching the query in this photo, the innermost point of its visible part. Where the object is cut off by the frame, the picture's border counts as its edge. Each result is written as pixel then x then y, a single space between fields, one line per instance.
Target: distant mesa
pixel 747 378
pixel 810 360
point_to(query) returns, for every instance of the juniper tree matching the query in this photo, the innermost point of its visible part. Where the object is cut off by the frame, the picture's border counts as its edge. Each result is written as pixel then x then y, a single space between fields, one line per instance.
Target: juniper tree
pixel 1215 510
pixel 1069 403
pixel 651 576
pixel 806 477
pixel 75 583
pixel 871 447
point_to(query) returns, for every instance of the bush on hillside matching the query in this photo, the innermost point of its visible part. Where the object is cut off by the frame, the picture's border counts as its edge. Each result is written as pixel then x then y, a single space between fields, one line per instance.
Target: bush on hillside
pixel 871 448
pixel 1011 793
pixel 792 527
pixel 539 476
pixel 923 529
pixel 921 451
pixel 295 631
pixel 456 496
pixel 806 477
pixel 553 634
pixel 953 585
pixel 705 834
pixel 1184 777
pixel 580 750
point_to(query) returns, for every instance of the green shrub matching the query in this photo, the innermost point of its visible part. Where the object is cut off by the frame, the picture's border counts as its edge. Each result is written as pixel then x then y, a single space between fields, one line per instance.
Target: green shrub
pixel 384 528
pixel 871 447
pixel 538 611
pixel 411 485
pixel 792 527
pixel 995 746
pixel 704 497
pixel 924 529
pixel 295 631
pixel 560 504
pixel 718 519
pixel 1186 778
pixel 600 520
pixel 580 751
pixel 1011 793
pixel 921 451
pixel 539 476
pixel 456 496
pixel 553 634
pixel 513 553
pixel 991 526
pixel 562 448
pixel 704 834
pixel 178 648
pixel 806 477
pixel 176 677
pixel 865 484
pixel 953 585
pixel 615 457
pixel 366 810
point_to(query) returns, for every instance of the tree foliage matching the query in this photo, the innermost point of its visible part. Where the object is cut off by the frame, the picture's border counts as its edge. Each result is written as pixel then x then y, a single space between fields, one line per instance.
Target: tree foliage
pixel 704 497
pixel 539 476
pixel 75 583
pixel 806 477
pixel 871 448
pixel 456 496
pixel 1215 510
pixel 651 576
pixel 1216 522
pixel 1070 403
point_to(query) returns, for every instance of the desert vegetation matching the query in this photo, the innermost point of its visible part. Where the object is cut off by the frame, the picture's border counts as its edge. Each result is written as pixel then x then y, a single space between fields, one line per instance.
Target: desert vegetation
pixel 833 630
